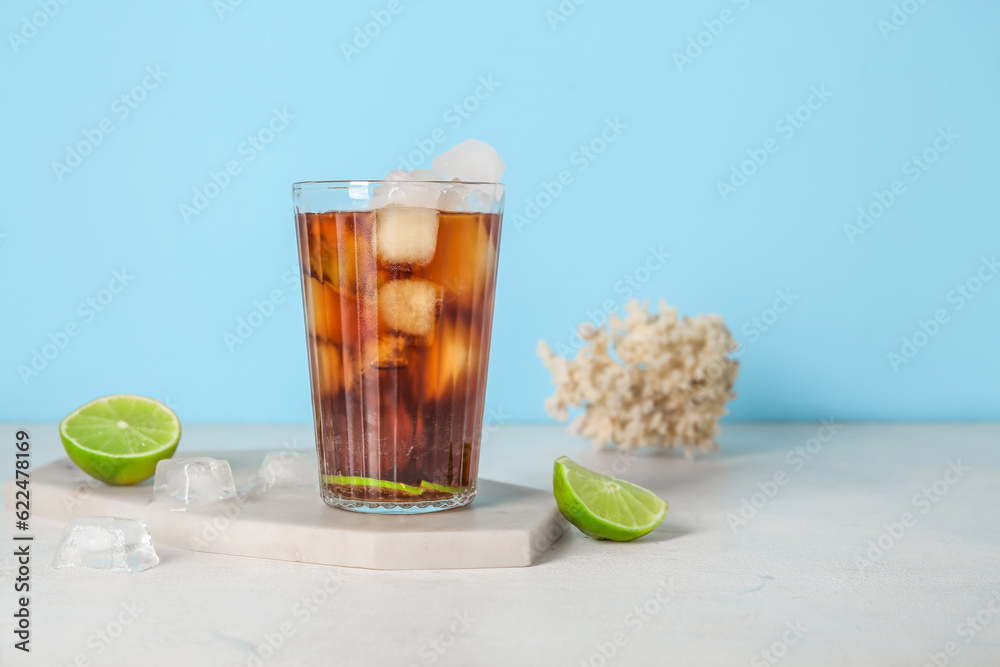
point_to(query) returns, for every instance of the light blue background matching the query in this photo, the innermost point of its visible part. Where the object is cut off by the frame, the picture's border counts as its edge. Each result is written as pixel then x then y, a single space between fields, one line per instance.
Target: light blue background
pixel 655 185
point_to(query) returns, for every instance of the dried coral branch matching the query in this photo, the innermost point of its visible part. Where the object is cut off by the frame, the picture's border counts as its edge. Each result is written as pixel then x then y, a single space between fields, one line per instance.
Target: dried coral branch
pixel 649 379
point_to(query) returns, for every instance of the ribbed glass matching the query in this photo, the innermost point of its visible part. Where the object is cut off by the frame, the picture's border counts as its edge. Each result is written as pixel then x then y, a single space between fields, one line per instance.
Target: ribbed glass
pixel 399 307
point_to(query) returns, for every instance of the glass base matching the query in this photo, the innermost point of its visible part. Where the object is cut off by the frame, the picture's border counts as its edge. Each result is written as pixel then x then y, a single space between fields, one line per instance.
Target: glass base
pixel 387 507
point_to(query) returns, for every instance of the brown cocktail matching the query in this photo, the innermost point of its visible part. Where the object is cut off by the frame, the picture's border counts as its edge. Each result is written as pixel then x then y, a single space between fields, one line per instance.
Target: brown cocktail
pixel 399 307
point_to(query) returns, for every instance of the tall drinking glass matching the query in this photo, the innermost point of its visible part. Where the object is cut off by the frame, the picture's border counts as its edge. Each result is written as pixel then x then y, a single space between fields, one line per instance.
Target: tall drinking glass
pixel 398 284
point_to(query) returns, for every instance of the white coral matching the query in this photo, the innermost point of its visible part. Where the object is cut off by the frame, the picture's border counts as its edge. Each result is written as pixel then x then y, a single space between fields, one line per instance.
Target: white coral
pixel 648 379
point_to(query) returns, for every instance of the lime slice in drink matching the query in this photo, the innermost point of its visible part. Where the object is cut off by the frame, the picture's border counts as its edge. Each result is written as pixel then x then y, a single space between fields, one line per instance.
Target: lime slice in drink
pixel 368 481
pixel 118 439
pixel 603 507
pixel 441 487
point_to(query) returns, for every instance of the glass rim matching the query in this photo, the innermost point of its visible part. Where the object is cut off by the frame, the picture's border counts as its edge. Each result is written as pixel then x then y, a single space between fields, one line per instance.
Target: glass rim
pixel 343 184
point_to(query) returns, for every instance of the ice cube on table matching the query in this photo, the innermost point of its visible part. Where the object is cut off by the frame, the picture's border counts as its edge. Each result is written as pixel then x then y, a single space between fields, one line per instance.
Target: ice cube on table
pixel 471 161
pixel 406 235
pixel 108 543
pixel 409 306
pixel 196 480
pixel 286 470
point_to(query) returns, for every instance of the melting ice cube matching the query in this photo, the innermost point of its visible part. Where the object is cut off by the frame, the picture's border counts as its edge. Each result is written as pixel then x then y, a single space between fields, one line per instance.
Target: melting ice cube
pixel 404 191
pixel 471 161
pixel 386 351
pixel 286 470
pixel 409 306
pixel 196 480
pixel 450 361
pixel 406 235
pixel 106 543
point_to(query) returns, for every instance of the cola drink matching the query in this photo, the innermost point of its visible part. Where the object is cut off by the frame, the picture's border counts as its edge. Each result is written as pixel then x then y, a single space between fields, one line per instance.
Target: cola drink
pixel 399 309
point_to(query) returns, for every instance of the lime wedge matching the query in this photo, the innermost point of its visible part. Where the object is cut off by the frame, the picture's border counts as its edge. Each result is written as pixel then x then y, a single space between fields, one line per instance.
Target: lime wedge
pixel 368 481
pixel 118 439
pixel 441 487
pixel 603 507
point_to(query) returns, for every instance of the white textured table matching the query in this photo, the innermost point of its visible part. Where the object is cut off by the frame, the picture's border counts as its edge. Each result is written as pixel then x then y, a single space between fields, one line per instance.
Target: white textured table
pixel 867 545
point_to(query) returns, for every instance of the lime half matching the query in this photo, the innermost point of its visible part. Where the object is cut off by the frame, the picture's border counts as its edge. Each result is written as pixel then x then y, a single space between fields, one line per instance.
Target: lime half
pixel 603 507
pixel 118 439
